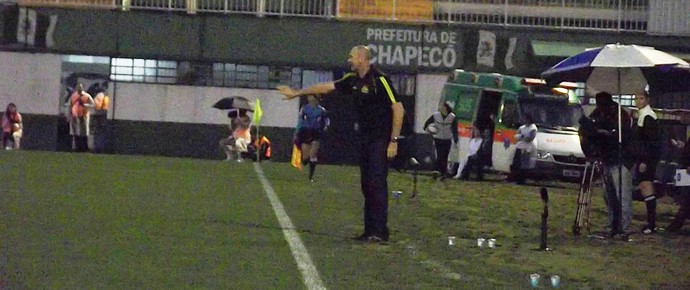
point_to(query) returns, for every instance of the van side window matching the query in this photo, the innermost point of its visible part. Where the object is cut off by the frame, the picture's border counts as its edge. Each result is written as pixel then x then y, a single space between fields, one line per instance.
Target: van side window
pixel 510 116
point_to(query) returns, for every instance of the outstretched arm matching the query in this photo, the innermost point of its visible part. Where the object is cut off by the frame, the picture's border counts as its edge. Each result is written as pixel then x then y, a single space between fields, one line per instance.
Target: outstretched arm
pixel 317 89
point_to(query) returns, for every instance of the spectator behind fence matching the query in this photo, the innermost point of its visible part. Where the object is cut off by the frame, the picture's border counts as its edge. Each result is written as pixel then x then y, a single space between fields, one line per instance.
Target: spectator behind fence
pixel 79 117
pixel 100 117
pixel 12 127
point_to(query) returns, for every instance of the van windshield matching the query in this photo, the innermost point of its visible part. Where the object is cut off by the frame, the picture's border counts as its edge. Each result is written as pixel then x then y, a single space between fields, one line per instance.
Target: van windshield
pixel 551 111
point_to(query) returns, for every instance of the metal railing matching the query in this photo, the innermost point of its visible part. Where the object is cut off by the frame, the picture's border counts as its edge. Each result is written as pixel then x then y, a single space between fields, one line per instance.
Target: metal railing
pixel 663 16
pixel 619 15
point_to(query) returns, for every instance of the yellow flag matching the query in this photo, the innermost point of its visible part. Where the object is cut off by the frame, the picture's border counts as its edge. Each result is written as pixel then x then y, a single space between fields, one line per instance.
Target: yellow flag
pixel 296 160
pixel 258 112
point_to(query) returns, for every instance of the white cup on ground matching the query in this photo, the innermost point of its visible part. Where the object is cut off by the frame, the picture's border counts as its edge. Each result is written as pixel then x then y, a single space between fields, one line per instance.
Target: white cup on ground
pixel 534 279
pixel 555 281
pixel 451 240
pixel 481 242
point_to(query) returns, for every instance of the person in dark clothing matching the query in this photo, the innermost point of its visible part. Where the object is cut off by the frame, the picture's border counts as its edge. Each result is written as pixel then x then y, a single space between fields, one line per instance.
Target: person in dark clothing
pixel 487 128
pixel 446 129
pixel 313 122
pixel 603 138
pixel 684 197
pixel 647 150
pixel 380 118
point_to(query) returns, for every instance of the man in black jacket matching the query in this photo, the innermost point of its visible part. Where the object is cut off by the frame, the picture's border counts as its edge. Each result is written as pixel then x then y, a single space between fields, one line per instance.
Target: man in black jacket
pixel 380 119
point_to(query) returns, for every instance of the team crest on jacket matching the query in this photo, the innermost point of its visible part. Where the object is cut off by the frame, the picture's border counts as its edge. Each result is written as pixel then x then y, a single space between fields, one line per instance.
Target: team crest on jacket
pixel 365 89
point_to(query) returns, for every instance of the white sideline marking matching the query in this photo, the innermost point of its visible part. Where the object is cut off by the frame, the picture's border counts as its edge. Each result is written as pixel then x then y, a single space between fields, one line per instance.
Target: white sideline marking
pixel 304 263
pixel 431 264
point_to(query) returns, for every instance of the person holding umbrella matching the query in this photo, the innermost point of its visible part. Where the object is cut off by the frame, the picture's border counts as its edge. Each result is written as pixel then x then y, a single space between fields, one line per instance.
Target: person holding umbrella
pixel 240 137
pixel 647 151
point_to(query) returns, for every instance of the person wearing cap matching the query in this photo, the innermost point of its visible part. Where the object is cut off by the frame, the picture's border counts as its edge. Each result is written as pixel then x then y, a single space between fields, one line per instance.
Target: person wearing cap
pixel 313 122
pixel 445 134
pixel 605 118
pixel 380 119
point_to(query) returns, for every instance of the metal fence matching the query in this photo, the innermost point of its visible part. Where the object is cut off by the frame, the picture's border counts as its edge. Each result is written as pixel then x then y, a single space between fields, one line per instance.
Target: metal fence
pixel 618 15
pixel 664 16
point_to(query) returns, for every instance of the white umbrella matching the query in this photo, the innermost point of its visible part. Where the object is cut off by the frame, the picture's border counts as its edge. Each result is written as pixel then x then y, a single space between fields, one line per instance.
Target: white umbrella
pixel 619 69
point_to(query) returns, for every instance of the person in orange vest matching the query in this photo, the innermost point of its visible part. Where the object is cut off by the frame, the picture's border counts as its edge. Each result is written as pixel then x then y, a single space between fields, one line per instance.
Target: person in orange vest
pixel 263 145
pixel 100 117
pixel 11 127
pixel 79 116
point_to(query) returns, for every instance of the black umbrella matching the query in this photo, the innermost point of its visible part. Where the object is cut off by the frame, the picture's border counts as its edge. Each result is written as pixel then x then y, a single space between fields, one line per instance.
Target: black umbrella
pixel 233 103
pixel 233 113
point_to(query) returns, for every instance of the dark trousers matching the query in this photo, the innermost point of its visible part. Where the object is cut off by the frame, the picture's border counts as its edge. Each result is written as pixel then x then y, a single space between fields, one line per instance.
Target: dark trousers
pixel 442 151
pixel 81 143
pixel 99 132
pixel 6 139
pixel 373 166
pixel 517 173
pixel 683 211
pixel 476 164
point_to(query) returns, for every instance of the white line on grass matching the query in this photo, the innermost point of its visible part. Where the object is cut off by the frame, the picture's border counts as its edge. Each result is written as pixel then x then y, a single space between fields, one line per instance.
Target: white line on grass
pixel 304 263
pixel 433 265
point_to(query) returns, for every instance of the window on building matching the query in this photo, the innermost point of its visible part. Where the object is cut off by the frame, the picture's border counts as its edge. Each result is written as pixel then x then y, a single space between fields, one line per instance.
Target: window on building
pixel 143 70
pixel 404 84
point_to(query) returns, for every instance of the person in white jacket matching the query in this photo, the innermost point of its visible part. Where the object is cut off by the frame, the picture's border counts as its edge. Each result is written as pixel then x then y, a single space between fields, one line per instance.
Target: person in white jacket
pixel 473 160
pixel 525 150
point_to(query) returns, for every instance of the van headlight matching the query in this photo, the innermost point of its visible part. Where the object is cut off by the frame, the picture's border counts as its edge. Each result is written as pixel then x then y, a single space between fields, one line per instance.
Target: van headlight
pixel 543 155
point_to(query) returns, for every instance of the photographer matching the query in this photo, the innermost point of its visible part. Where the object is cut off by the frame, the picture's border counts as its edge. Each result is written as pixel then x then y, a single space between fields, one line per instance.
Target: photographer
pixel 601 138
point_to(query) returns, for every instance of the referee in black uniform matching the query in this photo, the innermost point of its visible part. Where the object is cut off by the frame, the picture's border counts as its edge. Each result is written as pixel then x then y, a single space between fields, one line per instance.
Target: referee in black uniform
pixel 380 118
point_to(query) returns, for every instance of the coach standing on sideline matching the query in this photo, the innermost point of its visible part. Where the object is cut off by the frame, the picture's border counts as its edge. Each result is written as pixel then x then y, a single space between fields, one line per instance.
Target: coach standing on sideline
pixel 380 118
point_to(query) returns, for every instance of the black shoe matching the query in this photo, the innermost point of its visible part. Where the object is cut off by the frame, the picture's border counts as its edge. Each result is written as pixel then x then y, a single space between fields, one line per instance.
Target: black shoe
pixel 376 240
pixel 362 238
pixel 675 226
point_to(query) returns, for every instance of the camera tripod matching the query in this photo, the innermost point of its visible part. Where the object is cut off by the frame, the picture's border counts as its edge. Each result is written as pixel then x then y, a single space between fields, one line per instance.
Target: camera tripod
pixel 584 198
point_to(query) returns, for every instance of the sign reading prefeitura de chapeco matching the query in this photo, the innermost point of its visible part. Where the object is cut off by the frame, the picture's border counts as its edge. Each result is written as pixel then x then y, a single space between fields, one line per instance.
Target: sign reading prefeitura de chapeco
pixel 413 47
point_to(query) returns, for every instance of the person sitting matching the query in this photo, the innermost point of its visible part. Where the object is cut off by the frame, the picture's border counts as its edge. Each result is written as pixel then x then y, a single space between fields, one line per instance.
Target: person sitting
pixel 241 137
pixel 474 159
pixel 12 127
